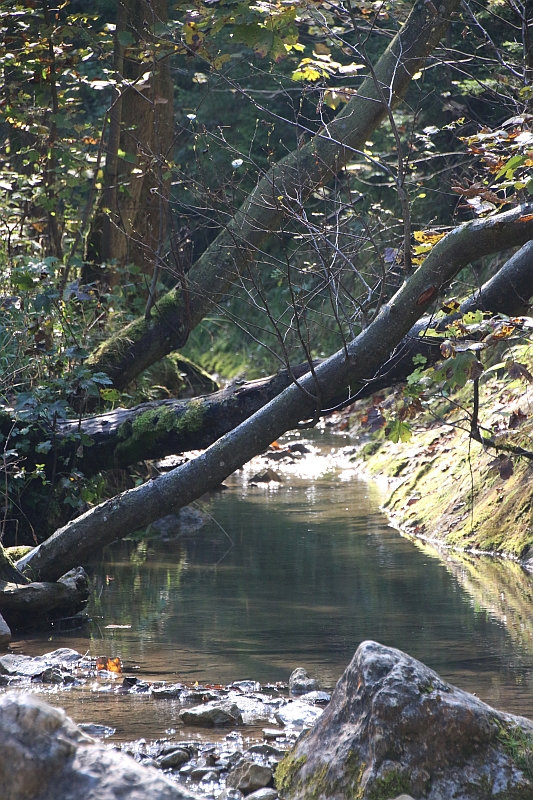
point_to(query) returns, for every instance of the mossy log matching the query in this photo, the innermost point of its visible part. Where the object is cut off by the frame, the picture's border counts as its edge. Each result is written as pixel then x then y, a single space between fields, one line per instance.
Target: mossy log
pixel 144 341
pixel 154 430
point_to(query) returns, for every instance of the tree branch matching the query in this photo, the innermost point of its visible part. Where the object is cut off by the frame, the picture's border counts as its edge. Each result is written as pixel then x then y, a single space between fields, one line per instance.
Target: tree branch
pixel 350 366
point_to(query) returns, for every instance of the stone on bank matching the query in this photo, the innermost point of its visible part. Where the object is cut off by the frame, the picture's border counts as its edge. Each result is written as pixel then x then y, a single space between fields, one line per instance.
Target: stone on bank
pixel 394 727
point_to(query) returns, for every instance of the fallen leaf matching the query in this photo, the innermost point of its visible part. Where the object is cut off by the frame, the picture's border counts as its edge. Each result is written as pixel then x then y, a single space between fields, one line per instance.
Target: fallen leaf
pixel 517 418
pixel 517 370
pixel 109 664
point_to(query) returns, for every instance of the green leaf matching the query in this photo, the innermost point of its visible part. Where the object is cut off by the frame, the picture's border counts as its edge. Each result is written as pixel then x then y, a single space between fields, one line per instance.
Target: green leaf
pixel 398 431
pixel 125 38
pixel 509 168
pixel 43 447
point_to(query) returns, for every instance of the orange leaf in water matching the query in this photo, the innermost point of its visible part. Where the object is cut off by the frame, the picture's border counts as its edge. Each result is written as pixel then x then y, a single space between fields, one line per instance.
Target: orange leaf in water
pixel 275 445
pixel 109 664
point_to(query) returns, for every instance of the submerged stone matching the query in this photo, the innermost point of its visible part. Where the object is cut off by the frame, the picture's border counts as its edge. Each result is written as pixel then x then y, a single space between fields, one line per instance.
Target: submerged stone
pixel 212 715
pixel 394 727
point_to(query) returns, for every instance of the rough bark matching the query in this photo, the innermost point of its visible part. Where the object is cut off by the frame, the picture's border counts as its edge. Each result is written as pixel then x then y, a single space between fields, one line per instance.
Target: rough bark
pixel 358 362
pixel 154 430
pixel 131 225
pixel 293 179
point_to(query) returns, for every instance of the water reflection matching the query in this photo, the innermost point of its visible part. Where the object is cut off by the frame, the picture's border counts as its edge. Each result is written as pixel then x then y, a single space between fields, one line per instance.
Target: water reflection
pixel 313 571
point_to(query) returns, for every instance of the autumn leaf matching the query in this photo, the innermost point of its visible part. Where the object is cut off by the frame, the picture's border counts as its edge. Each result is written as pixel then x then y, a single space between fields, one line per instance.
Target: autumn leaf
pixel 517 370
pixel 109 664
pixel 428 237
pixel 450 306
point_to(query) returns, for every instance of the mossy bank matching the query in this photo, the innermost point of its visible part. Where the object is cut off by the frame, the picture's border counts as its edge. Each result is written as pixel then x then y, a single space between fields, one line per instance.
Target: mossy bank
pixel 444 487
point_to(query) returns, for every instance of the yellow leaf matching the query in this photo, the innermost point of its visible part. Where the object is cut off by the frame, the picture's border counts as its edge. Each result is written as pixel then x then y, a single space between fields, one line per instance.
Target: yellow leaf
pixel 428 237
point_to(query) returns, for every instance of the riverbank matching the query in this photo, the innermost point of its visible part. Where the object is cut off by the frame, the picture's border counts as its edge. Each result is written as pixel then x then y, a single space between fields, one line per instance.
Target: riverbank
pixel 441 486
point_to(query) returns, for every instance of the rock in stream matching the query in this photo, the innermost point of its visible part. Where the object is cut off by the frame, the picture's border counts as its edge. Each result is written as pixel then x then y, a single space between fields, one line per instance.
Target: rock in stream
pixel 394 727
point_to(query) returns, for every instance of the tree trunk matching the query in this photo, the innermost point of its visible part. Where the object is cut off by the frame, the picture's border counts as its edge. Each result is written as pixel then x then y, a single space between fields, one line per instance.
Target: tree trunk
pixel 351 366
pixel 131 226
pixel 167 328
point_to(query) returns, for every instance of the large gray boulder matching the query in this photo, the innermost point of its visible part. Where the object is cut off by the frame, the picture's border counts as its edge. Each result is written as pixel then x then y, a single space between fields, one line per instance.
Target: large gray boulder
pixel 45 756
pixel 395 727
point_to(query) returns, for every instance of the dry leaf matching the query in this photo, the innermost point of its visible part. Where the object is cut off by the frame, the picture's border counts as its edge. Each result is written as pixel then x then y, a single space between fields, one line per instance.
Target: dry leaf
pixel 109 664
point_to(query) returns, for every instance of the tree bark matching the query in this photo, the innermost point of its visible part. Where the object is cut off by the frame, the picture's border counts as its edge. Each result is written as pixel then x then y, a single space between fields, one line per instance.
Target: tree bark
pixel 351 366
pixel 131 225
pixel 289 183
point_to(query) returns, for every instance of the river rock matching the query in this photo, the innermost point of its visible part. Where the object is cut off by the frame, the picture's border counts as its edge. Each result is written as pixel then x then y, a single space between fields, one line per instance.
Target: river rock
pixel 253 709
pixel 298 714
pixel 31 667
pixel 96 730
pixel 316 698
pixel 212 715
pixel 263 794
pixel 174 759
pixel 301 683
pixel 45 756
pixel 247 776
pixel 394 726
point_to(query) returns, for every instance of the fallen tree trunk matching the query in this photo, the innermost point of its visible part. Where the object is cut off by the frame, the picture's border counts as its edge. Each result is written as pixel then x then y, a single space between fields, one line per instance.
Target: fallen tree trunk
pixel 24 605
pixel 144 341
pixel 356 363
pixel 154 430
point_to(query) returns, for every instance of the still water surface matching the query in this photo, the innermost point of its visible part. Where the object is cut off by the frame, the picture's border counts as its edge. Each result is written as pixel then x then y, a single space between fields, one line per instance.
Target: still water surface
pixel 312 569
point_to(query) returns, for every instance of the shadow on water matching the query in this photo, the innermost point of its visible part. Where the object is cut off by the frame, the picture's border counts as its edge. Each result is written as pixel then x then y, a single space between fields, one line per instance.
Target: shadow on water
pixel 313 570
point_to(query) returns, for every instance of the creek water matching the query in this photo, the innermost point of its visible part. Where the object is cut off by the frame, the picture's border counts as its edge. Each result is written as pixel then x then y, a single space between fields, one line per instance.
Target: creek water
pixel 297 574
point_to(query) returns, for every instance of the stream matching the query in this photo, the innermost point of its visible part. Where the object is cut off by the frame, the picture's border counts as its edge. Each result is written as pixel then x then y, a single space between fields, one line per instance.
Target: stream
pixel 291 574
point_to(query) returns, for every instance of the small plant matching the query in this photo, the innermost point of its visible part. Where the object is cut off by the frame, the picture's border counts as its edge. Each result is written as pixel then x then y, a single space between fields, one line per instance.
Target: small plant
pixel 518 745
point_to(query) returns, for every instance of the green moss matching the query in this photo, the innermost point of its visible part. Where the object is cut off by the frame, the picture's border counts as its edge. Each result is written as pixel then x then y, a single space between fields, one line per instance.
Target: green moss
pixel 371 448
pixel 139 437
pixel 392 785
pixel 286 773
pixel 14 553
pixel 518 745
